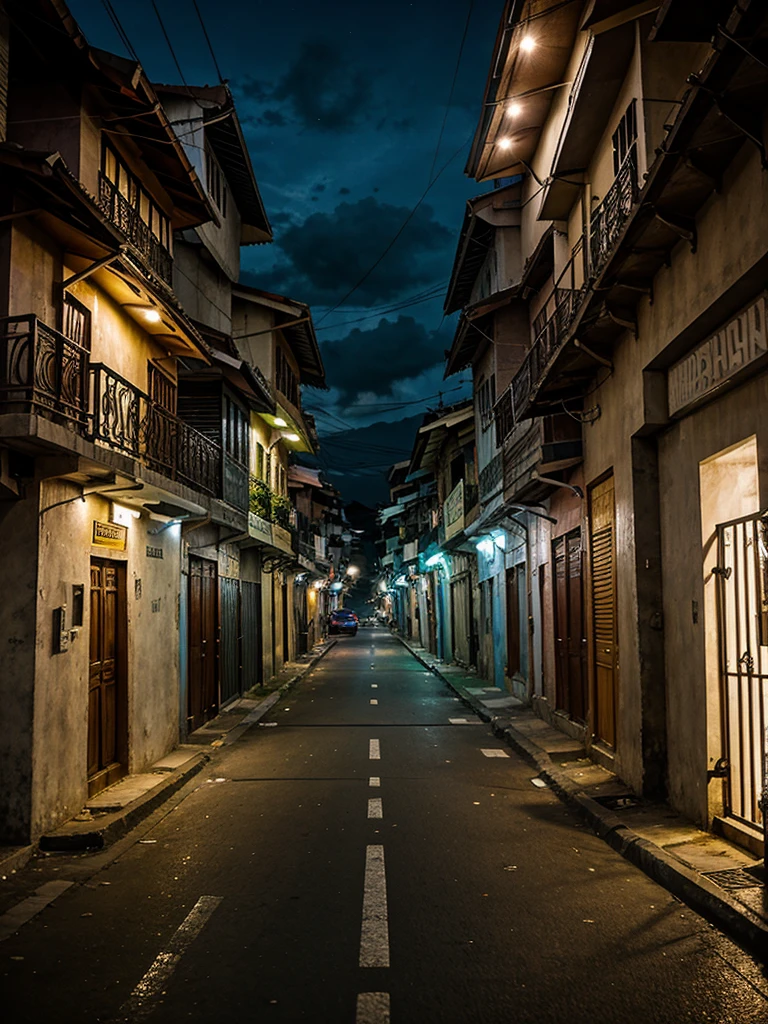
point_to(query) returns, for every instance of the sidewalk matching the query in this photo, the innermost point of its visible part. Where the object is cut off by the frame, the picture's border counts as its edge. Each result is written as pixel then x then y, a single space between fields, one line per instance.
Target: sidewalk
pixel 115 811
pixel 715 878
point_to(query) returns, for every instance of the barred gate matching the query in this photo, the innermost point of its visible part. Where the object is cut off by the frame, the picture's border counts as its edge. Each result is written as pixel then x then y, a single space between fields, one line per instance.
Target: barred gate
pixel 742 600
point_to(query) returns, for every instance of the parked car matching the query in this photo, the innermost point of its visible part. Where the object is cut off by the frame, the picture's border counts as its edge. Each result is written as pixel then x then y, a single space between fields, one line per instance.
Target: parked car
pixel 343 621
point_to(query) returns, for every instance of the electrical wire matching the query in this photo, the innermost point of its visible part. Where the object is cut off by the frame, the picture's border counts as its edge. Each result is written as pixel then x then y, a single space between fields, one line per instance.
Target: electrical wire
pixel 399 232
pixel 122 34
pixel 453 86
pixel 382 313
pixel 170 46
pixel 208 41
pixel 385 305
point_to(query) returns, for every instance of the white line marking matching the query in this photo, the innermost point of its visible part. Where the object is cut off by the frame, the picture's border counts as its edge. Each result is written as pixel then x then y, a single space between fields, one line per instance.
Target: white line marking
pixel 372 1008
pixel 375 808
pixel 374 750
pixel 374 701
pixel 374 934
pixel 374 781
pixel 460 721
pixel 18 916
pixel 374 686
pixel 494 752
pixel 145 997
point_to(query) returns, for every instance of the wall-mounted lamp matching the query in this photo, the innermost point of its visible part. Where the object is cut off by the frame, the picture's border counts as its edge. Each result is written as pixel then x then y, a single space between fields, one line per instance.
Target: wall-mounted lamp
pixel 123 516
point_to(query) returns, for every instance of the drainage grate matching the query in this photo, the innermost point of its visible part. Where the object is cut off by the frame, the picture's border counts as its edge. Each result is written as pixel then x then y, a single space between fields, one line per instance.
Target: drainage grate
pixel 733 878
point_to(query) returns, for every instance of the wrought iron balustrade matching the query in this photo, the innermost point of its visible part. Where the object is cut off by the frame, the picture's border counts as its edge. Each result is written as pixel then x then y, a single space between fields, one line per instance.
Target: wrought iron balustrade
pixel 125 216
pixel 608 219
pixel 491 476
pixel 126 419
pixel 41 370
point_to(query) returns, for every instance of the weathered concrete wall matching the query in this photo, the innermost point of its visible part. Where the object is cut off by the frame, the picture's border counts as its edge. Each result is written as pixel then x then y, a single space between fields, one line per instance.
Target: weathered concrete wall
pixel 61 679
pixel 18 556
pixel 202 288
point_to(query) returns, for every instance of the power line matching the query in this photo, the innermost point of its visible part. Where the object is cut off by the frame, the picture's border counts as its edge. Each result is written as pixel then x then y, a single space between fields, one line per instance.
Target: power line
pixel 208 40
pixel 453 86
pixel 170 47
pixel 383 312
pixel 384 305
pixel 122 34
pixel 399 231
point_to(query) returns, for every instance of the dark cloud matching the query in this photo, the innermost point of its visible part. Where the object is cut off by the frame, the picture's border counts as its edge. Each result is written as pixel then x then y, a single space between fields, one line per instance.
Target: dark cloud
pixel 281 217
pixel 344 191
pixel 326 255
pixel 322 89
pixel 319 187
pixel 374 360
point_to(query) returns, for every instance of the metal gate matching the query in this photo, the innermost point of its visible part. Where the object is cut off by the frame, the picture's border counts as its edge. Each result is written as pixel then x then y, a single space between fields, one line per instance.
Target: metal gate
pixel 230 639
pixel 742 602
pixel 250 614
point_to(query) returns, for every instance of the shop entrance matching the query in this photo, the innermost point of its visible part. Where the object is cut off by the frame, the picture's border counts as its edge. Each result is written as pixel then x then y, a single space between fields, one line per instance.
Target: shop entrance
pixel 602 519
pixel 742 604
pixel 107 702
pixel 203 690
pixel 570 639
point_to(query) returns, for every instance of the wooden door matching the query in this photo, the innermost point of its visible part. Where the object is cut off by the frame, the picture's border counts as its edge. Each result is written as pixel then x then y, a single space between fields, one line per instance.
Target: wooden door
pixel 570 642
pixel 203 689
pixel 514 646
pixel 602 518
pixel 461 623
pixel 231 637
pixel 251 626
pixel 107 734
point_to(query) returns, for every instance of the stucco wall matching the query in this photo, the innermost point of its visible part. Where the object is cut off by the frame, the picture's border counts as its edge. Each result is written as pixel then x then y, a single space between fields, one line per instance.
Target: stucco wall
pixel 61 679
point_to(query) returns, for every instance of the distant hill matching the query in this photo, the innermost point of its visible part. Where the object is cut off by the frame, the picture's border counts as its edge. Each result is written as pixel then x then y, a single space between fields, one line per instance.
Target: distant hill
pixel 356 461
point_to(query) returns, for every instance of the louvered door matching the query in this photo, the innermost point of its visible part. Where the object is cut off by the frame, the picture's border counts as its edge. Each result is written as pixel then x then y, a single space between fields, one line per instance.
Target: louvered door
pixel 603 584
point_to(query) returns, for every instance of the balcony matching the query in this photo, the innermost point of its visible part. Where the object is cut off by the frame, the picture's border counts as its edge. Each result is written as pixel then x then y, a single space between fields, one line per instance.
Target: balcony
pixel 119 210
pixel 41 371
pixel 125 419
pixel 542 447
pixel 608 219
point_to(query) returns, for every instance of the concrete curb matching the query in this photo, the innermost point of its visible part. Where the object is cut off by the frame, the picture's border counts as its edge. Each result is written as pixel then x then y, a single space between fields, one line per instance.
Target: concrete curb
pixel 16 859
pixel 701 895
pixel 269 702
pixel 84 836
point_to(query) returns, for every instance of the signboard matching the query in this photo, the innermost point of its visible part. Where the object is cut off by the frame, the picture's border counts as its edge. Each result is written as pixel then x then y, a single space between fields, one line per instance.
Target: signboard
pixel 453 511
pixel 259 529
pixel 735 346
pixel 109 535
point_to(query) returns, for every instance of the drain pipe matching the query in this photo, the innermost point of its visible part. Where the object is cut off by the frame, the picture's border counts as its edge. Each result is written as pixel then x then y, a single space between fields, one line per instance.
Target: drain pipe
pixel 559 483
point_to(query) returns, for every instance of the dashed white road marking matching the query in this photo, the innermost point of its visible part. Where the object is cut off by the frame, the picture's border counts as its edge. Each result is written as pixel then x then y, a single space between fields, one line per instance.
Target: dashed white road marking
pixel 374 934
pixel 461 721
pixel 372 1008
pixel 375 807
pixel 145 997
pixel 374 750
pixel 374 701
pixel 18 916
pixel 374 686
pixel 374 781
pixel 494 752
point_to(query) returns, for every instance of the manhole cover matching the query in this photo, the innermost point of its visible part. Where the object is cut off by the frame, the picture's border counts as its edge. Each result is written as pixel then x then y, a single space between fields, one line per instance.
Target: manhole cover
pixel 733 878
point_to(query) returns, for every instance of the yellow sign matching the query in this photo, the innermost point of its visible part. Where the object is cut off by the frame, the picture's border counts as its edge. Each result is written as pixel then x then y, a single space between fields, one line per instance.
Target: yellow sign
pixel 109 535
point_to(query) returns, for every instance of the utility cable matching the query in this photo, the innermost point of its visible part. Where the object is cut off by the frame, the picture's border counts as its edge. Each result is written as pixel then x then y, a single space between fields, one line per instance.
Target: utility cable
pixel 122 34
pixel 170 46
pixel 208 41
pixel 453 86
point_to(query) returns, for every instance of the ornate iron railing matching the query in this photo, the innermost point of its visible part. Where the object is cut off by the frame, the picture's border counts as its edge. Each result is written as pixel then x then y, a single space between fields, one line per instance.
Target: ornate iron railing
pixel 126 419
pixel 42 370
pixel 120 211
pixel 608 219
pixel 491 476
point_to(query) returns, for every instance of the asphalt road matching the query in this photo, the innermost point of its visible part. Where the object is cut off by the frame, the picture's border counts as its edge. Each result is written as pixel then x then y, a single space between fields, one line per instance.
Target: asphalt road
pixel 358 857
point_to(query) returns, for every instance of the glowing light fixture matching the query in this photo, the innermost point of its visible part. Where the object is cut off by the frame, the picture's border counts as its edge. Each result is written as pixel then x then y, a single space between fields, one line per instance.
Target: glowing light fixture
pixel 152 316
pixel 123 516
pixel 352 570
pixel 291 437
pixel 514 110
pixel 527 43
pixel 280 422
pixel 505 143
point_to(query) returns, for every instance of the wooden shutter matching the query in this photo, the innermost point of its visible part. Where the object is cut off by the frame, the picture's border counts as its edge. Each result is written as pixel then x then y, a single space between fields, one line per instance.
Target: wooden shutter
pixel 603 584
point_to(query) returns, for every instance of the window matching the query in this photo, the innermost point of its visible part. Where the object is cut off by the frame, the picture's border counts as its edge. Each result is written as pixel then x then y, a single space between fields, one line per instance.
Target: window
pixel 135 198
pixel 76 322
pixel 217 184
pixel 260 464
pixel 285 378
pixel 235 431
pixel 624 137
pixel 486 399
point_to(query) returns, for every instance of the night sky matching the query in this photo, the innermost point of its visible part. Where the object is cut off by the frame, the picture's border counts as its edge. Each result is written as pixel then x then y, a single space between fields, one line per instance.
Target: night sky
pixel 342 105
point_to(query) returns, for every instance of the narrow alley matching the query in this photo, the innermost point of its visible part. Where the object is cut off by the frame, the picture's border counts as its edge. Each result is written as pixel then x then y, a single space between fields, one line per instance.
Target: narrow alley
pixel 367 852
